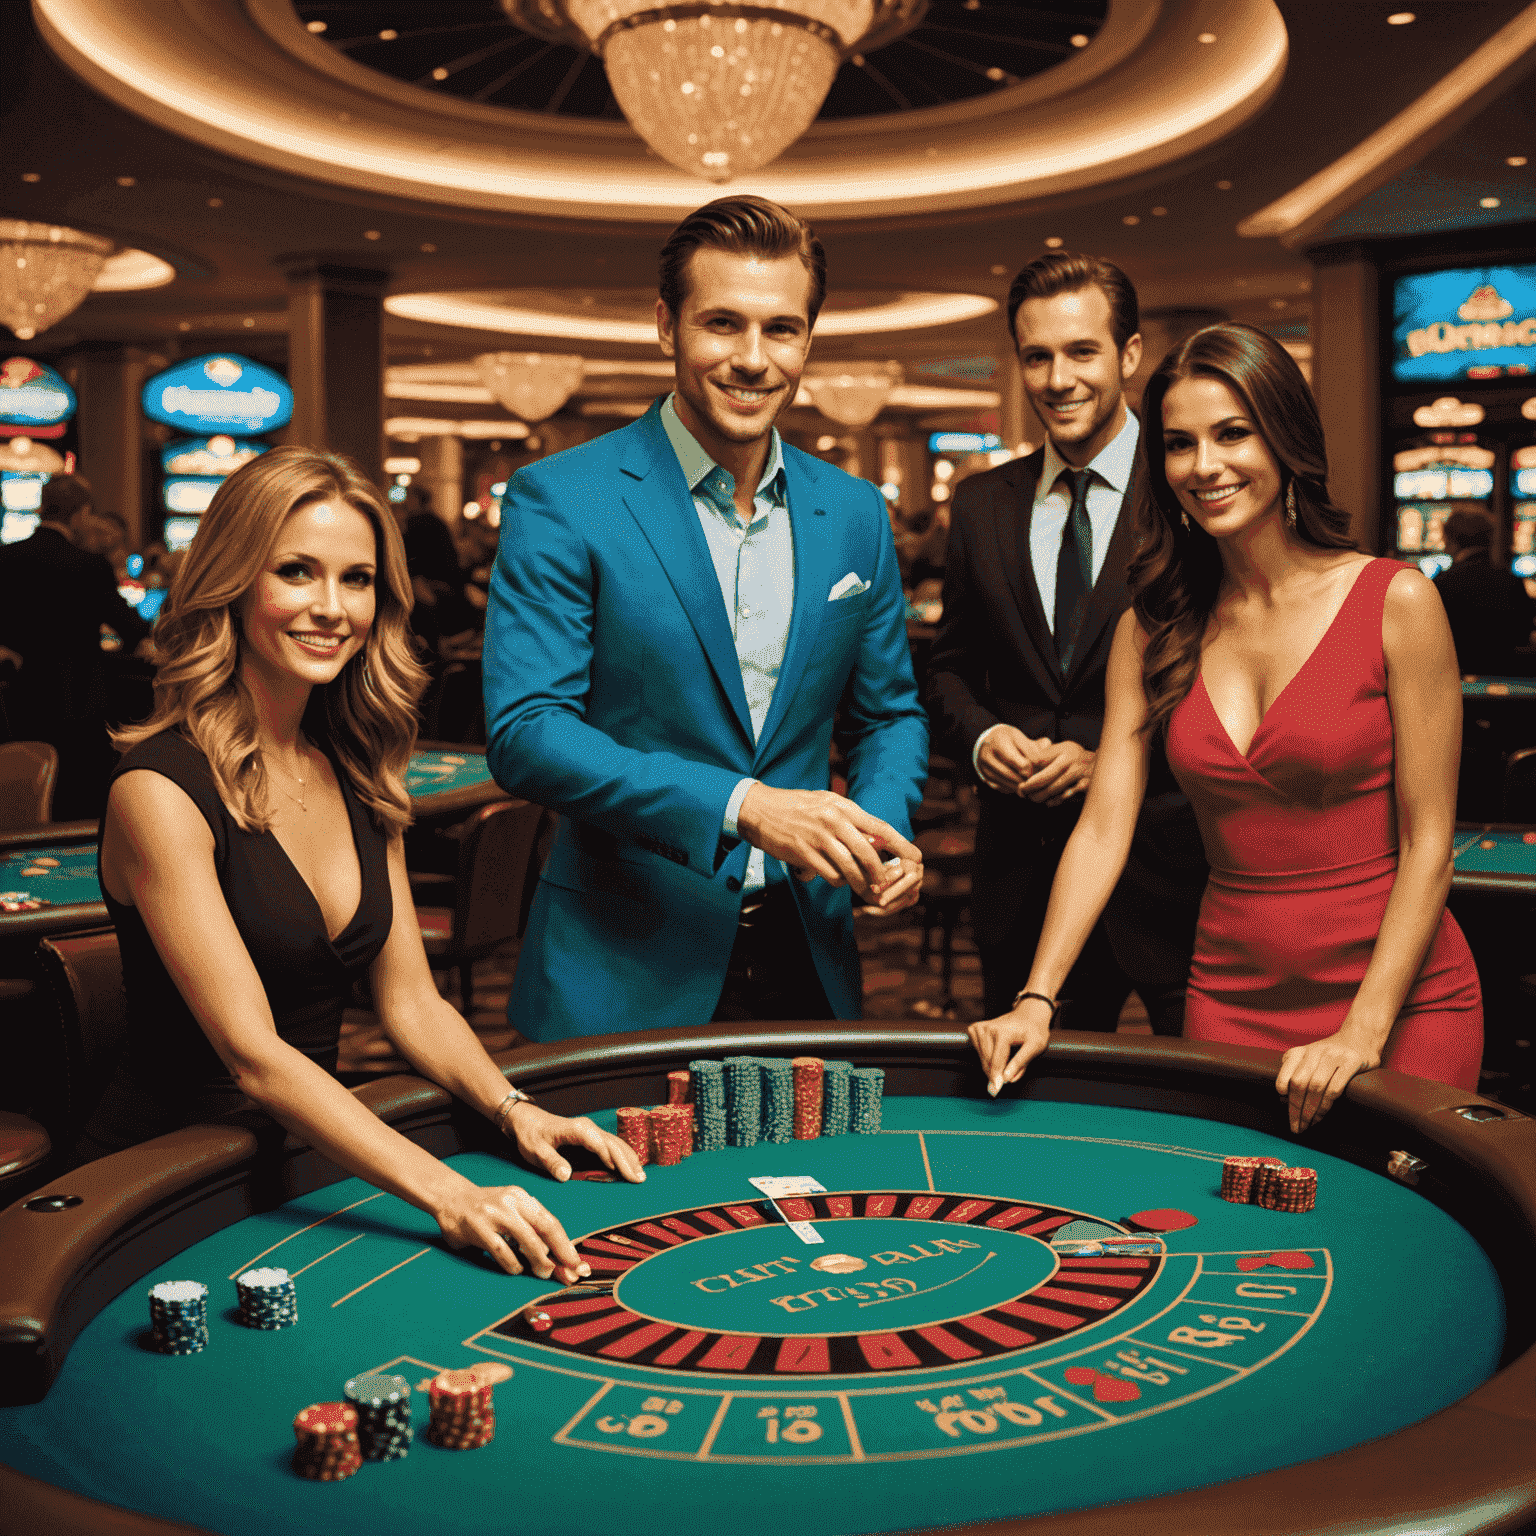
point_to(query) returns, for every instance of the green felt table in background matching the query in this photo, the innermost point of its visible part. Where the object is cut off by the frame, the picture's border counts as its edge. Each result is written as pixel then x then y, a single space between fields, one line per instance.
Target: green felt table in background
pixel 1399 1315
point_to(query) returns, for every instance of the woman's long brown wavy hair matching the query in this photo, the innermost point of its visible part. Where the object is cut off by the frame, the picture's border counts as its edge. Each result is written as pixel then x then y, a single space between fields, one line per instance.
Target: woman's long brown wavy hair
pixel 1177 570
pixel 367 713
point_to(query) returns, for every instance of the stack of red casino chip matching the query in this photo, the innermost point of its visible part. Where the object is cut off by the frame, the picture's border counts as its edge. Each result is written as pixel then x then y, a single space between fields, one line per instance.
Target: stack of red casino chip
pixel 680 1092
pixel 327 1448
pixel 671 1134
pixel 1237 1179
pixel 635 1130
pixel 1262 1174
pixel 808 1081
pixel 1291 1189
pixel 463 1411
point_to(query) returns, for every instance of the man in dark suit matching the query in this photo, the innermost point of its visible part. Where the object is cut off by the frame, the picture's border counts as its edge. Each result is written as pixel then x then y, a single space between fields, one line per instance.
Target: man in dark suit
pixel 1490 611
pixel 1035 581
pixel 54 598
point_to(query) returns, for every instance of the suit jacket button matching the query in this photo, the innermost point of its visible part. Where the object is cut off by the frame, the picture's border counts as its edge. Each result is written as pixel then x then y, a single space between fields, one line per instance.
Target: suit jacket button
pixel 732 884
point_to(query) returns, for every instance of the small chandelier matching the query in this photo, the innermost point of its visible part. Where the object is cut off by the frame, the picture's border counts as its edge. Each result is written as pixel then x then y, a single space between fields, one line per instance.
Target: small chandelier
pixel 715 87
pixel 531 385
pixel 45 271
pixel 851 394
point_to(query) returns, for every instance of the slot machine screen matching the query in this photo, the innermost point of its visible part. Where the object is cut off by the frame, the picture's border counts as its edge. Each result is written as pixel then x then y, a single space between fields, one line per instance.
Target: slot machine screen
pixel 179 531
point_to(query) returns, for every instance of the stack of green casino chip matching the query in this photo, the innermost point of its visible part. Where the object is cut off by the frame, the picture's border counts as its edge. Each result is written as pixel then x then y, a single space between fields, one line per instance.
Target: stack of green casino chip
pixel 835 1098
pixel 743 1100
pixel 268 1299
pixel 709 1104
pixel 866 1089
pixel 778 1122
pixel 178 1313
pixel 383 1404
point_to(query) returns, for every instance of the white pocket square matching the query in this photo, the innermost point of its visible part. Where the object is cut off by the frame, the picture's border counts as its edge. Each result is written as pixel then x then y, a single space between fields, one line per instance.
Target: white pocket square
pixel 849 586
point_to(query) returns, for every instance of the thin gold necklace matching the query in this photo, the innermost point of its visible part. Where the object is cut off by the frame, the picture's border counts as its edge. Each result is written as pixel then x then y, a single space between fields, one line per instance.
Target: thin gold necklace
pixel 298 799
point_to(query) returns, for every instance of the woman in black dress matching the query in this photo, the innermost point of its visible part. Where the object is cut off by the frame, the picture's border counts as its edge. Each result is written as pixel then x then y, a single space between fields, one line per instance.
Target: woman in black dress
pixel 252 860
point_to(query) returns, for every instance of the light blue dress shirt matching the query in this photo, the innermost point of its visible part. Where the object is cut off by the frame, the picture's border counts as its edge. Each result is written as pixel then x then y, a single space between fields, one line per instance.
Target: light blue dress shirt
pixel 755 565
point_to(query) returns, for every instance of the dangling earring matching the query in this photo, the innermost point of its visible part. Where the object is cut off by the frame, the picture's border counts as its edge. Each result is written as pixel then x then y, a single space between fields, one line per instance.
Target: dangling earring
pixel 1290 505
pixel 1184 516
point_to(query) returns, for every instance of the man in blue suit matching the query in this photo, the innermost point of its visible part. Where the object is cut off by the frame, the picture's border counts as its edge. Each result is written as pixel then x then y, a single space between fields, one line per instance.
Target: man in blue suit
pixel 679 609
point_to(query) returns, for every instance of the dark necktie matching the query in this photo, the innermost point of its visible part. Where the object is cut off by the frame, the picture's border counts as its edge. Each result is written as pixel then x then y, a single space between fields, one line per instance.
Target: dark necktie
pixel 1074 567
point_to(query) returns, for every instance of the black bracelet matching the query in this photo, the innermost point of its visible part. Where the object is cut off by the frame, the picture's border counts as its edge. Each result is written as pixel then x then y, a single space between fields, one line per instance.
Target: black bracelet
pixel 1018 997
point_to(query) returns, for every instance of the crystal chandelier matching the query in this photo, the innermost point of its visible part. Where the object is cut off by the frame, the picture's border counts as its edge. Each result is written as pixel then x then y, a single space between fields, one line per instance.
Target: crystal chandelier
pixel 714 87
pixel 851 394
pixel 45 271
pixel 531 385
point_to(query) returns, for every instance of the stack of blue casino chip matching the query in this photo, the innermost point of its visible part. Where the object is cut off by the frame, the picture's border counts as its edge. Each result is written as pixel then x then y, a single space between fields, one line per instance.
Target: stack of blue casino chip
pixel 835 1098
pixel 709 1121
pixel 866 1089
pixel 383 1406
pixel 778 1120
pixel 268 1299
pixel 743 1100
pixel 178 1313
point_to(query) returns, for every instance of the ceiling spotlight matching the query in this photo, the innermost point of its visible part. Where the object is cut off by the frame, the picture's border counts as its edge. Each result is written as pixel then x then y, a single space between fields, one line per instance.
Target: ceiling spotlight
pixel 388 35
pixel 183 325
pixel 248 323
pixel 994 74
pixel 1206 37
pixel 1131 218
pixel 1223 186
pixel 1054 241
pixel 127 181
pixel 998 269
pixel 33 176
pixel 215 202
pixel 429 248
pixel 1401 18
pixel 1512 160
pixel 1078 40
pixel 315 26
pixel 1157 213
pixel 439 73
pixel 1488 202
pixel 372 234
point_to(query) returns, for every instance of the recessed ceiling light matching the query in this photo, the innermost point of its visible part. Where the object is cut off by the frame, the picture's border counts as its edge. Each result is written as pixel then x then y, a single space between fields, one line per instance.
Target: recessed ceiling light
pixel 994 73
pixel 1157 213
pixel 183 325
pixel 1512 160
pixel 1054 241
pixel 1206 37
pixel 1401 18
pixel 439 73
pixel 1277 303
pixel 1488 202
pixel 388 35
pixel 1223 186
pixel 33 176
pixel 127 181
pixel 858 61
pixel 248 323
pixel 316 26
pixel 215 202
pixel 1079 40
pixel 429 248
pixel 1131 218
pixel 999 270
pixel 372 234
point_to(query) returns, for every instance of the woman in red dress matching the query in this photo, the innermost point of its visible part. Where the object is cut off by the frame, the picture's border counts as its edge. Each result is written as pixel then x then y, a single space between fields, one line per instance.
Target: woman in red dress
pixel 1309 700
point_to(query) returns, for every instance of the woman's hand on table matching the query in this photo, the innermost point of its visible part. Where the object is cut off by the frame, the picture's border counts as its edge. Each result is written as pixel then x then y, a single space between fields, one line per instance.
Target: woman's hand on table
pixel 1008 1044
pixel 1313 1076
pixel 540 1135
pixel 513 1227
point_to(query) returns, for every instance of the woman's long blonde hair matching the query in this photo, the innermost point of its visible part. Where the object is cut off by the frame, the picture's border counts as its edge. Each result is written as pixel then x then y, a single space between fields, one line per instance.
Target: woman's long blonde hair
pixel 367 713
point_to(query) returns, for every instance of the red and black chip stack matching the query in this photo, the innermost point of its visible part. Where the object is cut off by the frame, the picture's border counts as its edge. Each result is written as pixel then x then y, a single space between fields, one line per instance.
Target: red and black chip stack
pixel 671 1134
pixel 1291 1189
pixel 327 1448
pixel 635 1131
pixel 1262 1174
pixel 808 1085
pixel 463 1410
pixel 1237 1179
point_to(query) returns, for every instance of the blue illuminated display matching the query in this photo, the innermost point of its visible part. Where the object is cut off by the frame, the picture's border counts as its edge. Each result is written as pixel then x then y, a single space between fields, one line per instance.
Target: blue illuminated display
pixel 220 394
pixel 34 400
pixel 1470 323
pixel 963 442
pixel 213 457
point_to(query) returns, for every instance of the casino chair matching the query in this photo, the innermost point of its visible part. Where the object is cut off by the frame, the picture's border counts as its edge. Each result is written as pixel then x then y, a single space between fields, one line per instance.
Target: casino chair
pixel 27 772
pixel 497 860
pixel 1520 788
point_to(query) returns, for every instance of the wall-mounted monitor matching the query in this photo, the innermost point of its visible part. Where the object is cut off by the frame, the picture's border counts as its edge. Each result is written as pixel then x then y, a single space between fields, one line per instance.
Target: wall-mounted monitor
pixel 1464 323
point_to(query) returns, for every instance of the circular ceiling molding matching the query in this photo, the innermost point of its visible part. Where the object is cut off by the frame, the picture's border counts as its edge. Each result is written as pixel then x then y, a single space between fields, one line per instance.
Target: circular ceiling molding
pixel 129 270
pixel 470 50
pixel 1143 94
pixel 631 316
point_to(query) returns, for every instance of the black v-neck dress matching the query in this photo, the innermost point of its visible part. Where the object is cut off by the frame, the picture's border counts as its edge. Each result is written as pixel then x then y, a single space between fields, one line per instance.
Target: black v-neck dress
pixel 169 1075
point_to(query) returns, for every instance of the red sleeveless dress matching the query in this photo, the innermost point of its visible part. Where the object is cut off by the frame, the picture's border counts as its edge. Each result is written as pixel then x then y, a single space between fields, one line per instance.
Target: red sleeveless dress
pixel 1301 835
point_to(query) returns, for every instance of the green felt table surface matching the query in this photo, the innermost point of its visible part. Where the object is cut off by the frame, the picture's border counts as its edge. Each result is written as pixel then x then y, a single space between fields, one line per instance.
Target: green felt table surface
pixel 1498 853
pixel 432 772
pixel 1236 1370
pixel 1498 687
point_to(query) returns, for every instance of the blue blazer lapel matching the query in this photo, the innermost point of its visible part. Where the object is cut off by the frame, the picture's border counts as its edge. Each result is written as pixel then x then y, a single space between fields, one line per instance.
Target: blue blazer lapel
pixel 815 549
pixel 658 499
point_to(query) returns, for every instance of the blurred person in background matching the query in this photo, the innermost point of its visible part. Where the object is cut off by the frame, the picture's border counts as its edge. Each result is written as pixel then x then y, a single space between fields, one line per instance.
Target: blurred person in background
pixel 55 598
pixel 1490 610
pixel 442 612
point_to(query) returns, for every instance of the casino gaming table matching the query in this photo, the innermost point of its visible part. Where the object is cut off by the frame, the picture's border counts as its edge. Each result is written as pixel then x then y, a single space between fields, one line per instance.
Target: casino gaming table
pixel 449 781
pixel 1496 858
pixel 1498 688
pixel 960 1357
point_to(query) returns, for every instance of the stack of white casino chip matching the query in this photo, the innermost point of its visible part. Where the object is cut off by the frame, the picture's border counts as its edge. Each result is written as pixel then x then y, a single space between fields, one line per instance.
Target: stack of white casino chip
pixel 178 1313
pixel 267 1299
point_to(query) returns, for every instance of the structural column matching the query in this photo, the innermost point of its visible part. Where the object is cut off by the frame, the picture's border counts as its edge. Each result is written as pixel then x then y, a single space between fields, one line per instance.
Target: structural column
pixel 111 429
pixel 442 476
pixel 336 358
pixel 1346 380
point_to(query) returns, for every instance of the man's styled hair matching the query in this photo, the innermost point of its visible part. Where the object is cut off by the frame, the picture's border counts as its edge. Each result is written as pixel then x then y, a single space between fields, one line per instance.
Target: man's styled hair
pixel 1068 272
pixel 1469 526
pixel 744 226
pixel 62 497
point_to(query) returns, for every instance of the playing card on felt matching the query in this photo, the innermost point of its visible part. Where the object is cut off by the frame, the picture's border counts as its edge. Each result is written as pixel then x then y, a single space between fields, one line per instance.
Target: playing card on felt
pixel 788 1184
